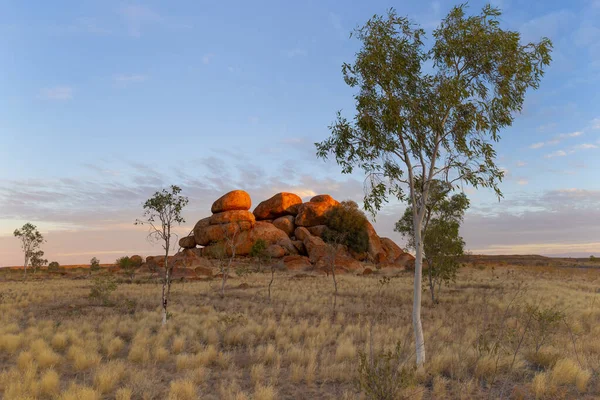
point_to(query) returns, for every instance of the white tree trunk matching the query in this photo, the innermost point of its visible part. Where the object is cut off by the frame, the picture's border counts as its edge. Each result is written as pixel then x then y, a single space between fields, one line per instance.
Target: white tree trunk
pixel 165 292
pixel 416 316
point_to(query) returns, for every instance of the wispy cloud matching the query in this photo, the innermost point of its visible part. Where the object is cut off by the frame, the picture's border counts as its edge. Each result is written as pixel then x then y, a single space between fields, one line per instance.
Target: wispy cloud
pixel 559 153
pixel 520 164
pixel 522 182
pixel 56 93
pixel 556 139
pixel 596 123
pixel 137 16
pixel 585 146
pixel 129 78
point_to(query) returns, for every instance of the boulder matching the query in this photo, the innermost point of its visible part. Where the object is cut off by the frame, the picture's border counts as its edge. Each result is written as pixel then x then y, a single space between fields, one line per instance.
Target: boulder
pixel 202 222
pixel 191 258
pixel 376 251
pixel 316 248
pixel 227 217
pixel 136 260
pixel 203 271
pixel 391 249
pixel 301 233
pixel 324 198
pixel 234 200
pixel 406 260
pixel 188 242
pixel 367 271
pixel 244 241
pixel 297 263
pixel 313 213
pixel 205 235
pixel 299 245
pixel 286 224
pixel 276 251
pixel 318 230
pixel 277 206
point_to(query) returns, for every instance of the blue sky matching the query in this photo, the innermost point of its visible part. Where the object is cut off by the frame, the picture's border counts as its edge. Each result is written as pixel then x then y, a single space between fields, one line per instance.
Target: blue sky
pixel 104 102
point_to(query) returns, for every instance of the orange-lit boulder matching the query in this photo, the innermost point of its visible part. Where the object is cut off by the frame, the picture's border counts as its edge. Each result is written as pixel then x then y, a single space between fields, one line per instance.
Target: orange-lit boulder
pixel 187 242
pixel 277 206
pixel 392 250
pixel 205 235
pixel 297 263
pixel 313 213
pixel 234 200
pixel 227 217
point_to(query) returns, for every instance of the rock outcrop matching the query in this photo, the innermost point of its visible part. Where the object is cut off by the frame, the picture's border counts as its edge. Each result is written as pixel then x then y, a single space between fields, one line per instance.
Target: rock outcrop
pixel 277 206
pixel 292 230
pixel 234 200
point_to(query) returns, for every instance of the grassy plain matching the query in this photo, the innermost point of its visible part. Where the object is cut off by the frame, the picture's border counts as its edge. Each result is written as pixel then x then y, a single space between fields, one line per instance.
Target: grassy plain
pixel 499 332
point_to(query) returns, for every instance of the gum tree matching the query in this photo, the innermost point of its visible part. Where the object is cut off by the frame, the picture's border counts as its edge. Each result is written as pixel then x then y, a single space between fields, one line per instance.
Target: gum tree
pixel 31 241
pixel 426 113
pixel 161 212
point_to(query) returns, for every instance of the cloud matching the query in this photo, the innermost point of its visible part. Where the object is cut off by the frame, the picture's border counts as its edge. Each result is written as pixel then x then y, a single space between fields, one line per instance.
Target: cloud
pixel 207 58
pixel 559 153
pixel 595 123
pixel 551 25
pixel 136 17
pixel 556 140
pixel 296 52
pixel 522 182
pixel 585 146
pixel 131 78
pixel 56 93
pixel 546 127
pixel 520 164
pixel 553 222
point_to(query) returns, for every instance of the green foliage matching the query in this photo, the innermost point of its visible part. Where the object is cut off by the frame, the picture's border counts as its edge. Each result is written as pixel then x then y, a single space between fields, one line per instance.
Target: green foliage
pixel 127 266
pixel 94 264
pixel 101 289
pixel 162 211
pixel 53 266
pixel 347 225
pixel 442 244
pixel 385 375
pixel 37 260
pixel 259 249
pixel 408 118
pixel 594 259
pixel 546 322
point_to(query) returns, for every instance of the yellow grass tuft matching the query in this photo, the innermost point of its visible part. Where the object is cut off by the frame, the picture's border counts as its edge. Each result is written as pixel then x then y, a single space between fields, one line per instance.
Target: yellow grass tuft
pixel 257 373
pixel 178 344
pixel 79 392
pixel 114 346
pixel 539 385
pixel 264 392
pixel 108 376
pixel 123 394
pixel 345 351
pixel 82 359
pixel 582 380
pixel 47 358
pixel 59 341
pixel 50 383
pixel 182 389
pixel 565 372
pixel 10 343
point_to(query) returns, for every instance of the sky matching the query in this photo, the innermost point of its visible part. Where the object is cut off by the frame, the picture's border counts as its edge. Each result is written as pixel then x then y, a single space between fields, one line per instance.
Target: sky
pixel 104 102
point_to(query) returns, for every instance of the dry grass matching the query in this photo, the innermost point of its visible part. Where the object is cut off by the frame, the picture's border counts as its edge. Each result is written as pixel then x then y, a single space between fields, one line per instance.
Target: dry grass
pixel 55 343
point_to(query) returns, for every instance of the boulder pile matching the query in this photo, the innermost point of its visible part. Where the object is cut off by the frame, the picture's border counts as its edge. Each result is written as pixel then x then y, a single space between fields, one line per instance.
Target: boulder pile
pixel 293 231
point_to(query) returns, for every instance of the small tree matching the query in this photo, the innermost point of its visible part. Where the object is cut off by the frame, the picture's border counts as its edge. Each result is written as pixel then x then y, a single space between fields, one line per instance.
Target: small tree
pixel 225 250
pixel 37 260
pixel 54 266
pixel 432 113
pixel 442 244
pixel 162 211
pixel 31 240
pixel 128 266
pixel 261 255
pixel 94 265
